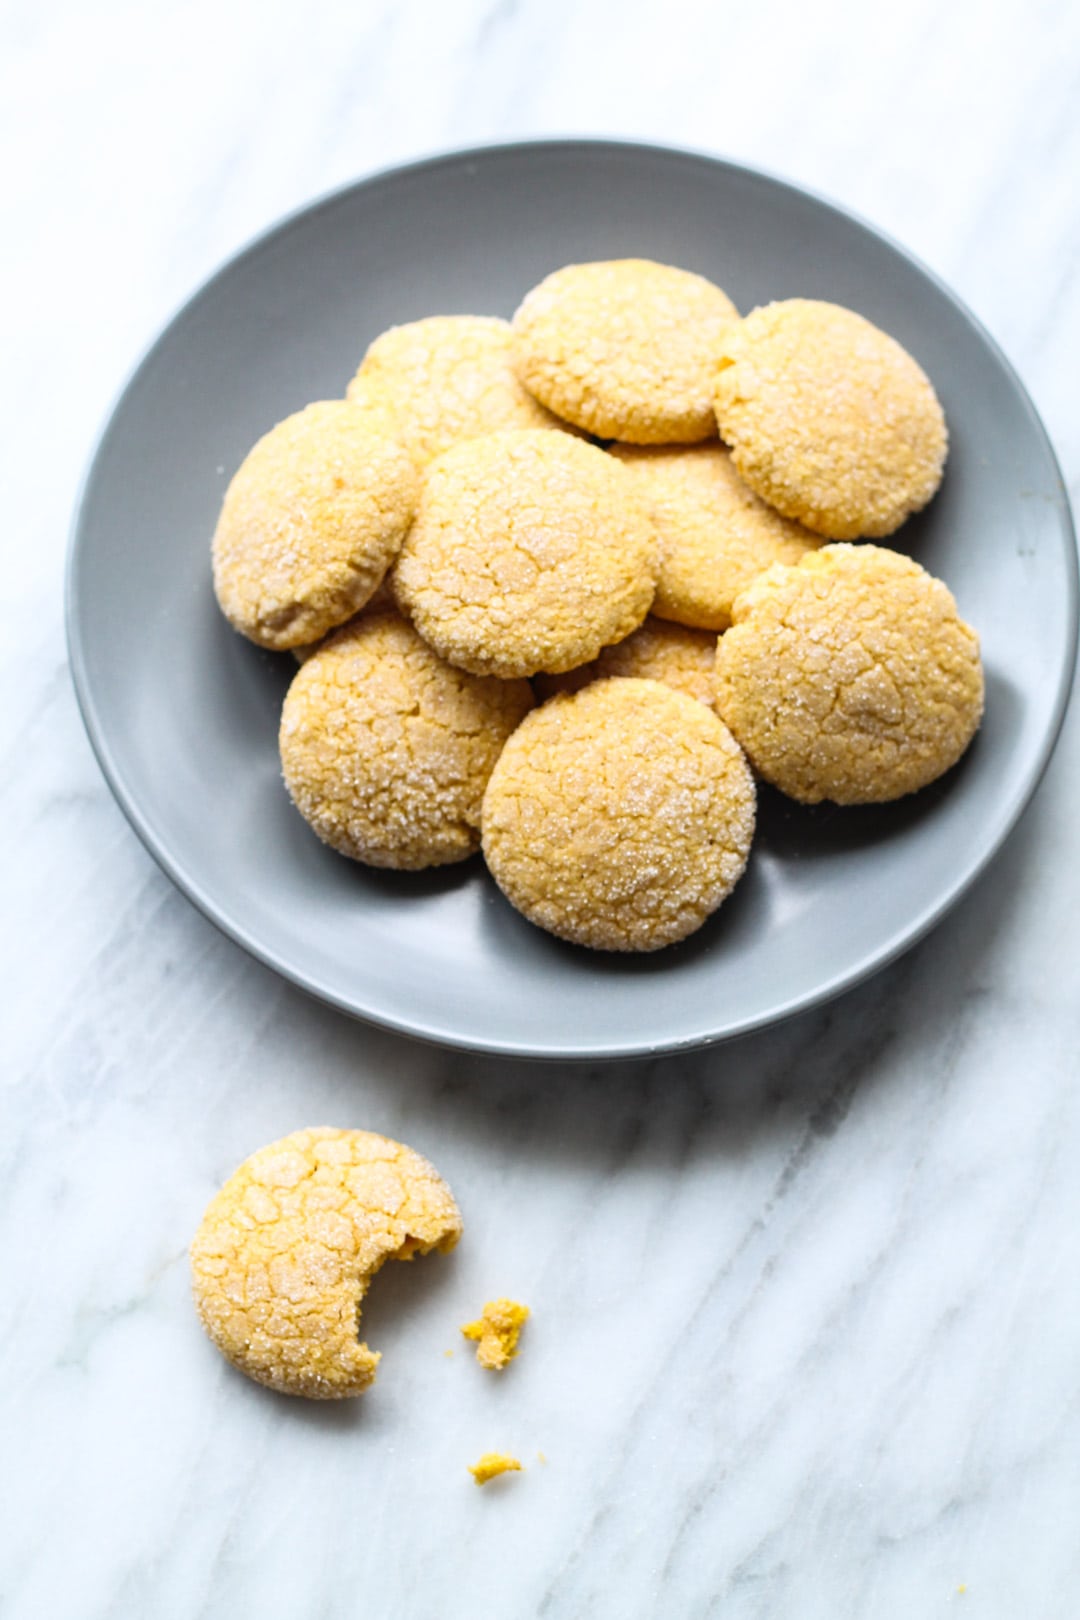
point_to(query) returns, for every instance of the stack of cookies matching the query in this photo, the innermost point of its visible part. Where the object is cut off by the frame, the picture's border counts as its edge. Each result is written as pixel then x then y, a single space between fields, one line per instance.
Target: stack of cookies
pixel 563 587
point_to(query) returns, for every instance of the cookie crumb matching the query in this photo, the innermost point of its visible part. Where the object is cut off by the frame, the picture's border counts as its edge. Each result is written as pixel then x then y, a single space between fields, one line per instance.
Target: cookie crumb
pixel 496 1332
pixel 491 1465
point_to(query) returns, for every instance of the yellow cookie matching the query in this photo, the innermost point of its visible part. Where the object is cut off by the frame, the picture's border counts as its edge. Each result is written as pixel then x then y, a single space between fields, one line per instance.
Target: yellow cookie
pixel 715 533
pixel 829 419
pixel 386 749
pixel 658 651
pixel 625 348
pixel 850 676
pixel 619 817
pixel 446 378
pixel 529 552
pixel 287 1248
pixel 311 521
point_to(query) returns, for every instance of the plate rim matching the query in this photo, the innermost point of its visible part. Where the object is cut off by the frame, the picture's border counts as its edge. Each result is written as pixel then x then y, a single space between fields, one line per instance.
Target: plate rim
pixel 430 1032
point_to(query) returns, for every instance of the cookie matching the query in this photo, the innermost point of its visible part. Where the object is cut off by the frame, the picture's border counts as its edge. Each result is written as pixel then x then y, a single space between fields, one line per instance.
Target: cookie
pixel 444 379
pixel 850 676
pixel 715 534
pixel 386 749
pixel 311 521
pixel 625 349
pixel 829 419
pixel 529 552
pixel 658 651
pixel 286 1251
pixel 619 817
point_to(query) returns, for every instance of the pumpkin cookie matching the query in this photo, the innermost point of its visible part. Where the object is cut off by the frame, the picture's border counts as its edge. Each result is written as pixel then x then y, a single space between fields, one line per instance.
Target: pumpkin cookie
pixel 625 349
pixel 619 817
pixel 310 523
pixel 850 676
pixel 447 378
pixel 288 1247
pixel 829 419
pixel 659 651
pixel 715 534
pixel 386 749
pixel 529 552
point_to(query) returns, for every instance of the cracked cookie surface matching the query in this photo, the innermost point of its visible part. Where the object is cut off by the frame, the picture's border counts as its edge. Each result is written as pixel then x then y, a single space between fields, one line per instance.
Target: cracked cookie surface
pixel 287 1248
pixel 625 348
pixel 446 378
pixel 386 749
pixel 620 816
pixel 529 552
pixel 829 419
pixel 850 676
pixel 715 534
pixel 310 523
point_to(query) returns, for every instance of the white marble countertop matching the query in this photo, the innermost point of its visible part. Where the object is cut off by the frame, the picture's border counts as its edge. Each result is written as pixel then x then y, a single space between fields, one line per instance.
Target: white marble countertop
pixel 807 1319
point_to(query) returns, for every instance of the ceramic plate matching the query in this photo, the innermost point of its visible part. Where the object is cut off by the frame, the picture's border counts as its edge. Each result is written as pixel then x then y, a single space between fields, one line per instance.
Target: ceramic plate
pixel 183 713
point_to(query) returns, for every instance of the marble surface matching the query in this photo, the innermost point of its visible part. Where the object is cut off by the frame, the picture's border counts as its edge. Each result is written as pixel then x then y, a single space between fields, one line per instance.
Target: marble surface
pixel 807 1319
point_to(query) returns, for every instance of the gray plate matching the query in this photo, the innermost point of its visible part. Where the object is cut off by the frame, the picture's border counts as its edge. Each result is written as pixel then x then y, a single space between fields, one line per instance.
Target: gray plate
pixel 183 714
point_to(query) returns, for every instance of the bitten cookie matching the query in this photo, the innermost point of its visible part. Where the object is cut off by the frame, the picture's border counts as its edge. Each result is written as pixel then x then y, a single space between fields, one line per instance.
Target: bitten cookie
pixel 715 534
pixel 625 348
pixel 529 552
pixel 446 378
pixel 288 1247
pixel 829 419
pixel 850 677
pixel 310 523
pixel 386 749
pixel 658 651
pixel 619 817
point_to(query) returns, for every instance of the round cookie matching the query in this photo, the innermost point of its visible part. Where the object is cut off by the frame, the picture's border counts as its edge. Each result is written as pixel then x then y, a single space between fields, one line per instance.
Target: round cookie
pixel 386 750
pixel 850 676
pixel 287 1248
pixel 529 552
pixel 715 534
pixel 625 348
pixel 657 651
pixel 620 816
pixel 446 378
pixel 829 419
pixel 311 521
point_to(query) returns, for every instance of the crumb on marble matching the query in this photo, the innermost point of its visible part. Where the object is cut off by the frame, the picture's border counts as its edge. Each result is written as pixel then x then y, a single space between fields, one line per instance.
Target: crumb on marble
pixel 496 1332
pixel 491 1465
